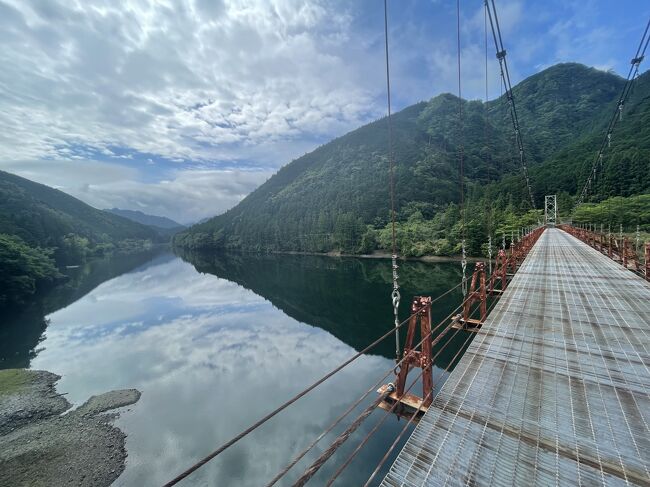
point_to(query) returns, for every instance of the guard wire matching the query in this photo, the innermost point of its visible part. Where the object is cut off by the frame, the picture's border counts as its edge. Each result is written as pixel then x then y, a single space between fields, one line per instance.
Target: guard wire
pixel 363 396
pixel 282 407
pixel 389 411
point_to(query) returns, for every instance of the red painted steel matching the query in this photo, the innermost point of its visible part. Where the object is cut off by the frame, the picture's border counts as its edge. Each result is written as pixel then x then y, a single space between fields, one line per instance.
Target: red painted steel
pixel 475 294
pixel 618 249
pixel 478 292
pixel 421 311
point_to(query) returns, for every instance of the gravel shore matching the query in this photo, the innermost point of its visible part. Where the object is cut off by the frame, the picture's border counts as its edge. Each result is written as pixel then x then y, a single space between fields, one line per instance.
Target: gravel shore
pixel 41 446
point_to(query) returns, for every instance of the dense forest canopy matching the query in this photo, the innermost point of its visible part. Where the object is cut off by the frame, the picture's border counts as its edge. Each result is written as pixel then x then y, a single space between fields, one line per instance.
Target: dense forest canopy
pixel 336 197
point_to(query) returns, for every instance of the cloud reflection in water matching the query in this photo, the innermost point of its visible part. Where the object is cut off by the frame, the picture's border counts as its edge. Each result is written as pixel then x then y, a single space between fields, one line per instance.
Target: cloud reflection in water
pixel 210 357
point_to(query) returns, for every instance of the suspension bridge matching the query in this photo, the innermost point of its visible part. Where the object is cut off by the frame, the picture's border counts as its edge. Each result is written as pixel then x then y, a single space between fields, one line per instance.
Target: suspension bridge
pixel 552 383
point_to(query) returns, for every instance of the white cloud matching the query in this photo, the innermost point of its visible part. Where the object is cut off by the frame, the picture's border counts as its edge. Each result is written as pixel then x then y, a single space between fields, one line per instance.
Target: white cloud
pixel 244 83
pixel 185 195
pixel 188 196
pixel 194 80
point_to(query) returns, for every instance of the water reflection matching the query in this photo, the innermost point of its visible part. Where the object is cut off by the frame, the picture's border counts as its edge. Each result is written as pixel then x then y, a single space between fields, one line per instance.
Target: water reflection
pixel 347 297
pixel 213 354
pixel 22 329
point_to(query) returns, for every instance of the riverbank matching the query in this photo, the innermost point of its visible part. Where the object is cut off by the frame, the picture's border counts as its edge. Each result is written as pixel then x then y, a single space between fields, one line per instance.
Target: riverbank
pixel 386 255
pixel 41 446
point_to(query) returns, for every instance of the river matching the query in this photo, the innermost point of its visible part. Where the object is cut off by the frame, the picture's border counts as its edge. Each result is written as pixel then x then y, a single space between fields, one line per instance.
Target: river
pixel 214 342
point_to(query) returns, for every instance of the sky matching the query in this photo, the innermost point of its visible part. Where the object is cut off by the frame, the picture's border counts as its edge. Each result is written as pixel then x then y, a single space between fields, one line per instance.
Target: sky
pixel 180 109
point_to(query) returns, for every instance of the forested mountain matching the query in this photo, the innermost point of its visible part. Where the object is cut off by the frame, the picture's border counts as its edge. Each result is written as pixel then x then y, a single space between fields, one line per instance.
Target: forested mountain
pixel 159 222
pixel 336 197
pixel 41 227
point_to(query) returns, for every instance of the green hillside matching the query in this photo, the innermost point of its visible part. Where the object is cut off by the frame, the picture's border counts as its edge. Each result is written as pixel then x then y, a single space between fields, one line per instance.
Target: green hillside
pixel 336 197
pixel 41 227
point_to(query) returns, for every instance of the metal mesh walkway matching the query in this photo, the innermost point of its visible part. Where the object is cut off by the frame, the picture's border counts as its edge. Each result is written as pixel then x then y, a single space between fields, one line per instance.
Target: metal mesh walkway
pixel 555 387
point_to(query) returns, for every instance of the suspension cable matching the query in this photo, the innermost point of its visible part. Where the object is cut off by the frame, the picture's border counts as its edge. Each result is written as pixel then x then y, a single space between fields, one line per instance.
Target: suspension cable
pixel 295 398
pixel 298 457
pixel 395 295
pixel 413 416
pixel 617 115
pixel 505 76
pixel 389 411
pixel 463 262
pixel 487 145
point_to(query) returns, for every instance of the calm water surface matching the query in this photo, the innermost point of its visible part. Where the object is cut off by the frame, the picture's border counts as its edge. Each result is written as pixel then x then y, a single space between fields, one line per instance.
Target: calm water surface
pixel 215 342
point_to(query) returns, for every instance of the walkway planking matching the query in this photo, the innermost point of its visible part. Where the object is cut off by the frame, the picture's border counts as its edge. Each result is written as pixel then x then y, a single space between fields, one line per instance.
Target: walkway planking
pixel 555 387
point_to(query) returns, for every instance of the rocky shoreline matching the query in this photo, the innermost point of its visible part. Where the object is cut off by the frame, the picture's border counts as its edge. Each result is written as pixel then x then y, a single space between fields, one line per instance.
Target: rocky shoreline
pixel 39 445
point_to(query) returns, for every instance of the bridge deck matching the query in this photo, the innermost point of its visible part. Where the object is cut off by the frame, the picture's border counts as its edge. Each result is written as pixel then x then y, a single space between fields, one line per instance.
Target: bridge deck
pixel 554 389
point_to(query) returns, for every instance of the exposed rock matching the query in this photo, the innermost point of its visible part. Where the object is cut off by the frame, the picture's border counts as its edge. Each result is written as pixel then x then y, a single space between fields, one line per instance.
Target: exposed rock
pixel 40 446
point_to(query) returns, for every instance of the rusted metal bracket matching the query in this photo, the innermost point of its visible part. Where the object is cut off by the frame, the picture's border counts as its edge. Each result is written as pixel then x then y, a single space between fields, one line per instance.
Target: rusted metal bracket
pixel 466 322
pixel 399 401
pixel 408 403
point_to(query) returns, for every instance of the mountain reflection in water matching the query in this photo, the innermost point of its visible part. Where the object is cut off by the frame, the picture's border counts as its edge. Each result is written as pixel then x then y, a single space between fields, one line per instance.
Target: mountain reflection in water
pixel 214 350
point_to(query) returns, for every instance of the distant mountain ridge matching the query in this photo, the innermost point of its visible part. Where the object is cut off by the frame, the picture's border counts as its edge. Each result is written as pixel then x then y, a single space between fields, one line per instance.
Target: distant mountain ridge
pixel 336 197
pixel 42 228
pixel 42 216
pixel 146 219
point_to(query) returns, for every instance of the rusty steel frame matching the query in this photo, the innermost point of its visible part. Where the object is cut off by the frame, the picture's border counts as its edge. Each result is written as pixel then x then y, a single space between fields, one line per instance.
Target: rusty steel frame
pixel 421 310
pixel 481 286
pixel 474 295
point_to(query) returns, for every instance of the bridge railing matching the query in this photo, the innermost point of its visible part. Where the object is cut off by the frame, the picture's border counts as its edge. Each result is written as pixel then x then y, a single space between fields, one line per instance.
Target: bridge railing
pixel 620 249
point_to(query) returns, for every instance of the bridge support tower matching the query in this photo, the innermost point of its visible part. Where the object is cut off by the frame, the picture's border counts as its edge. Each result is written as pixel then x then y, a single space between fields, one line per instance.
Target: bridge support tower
pixel 550 210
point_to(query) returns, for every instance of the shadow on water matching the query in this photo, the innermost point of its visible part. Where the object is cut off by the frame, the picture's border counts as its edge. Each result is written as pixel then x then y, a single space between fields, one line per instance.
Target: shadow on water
pixel 348 297
pixel 22 329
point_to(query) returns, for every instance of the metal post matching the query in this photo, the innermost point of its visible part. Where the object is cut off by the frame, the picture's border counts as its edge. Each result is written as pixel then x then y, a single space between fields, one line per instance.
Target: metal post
pixel 490 253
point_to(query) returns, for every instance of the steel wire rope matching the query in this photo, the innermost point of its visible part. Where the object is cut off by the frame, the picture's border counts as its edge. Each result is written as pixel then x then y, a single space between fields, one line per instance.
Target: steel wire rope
pixel 505 76
pixel 388 412
pixel 395 295
pixel 461 155
pixel 286 404
pixel 487 146
pixel 617 114
pixel 335 423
